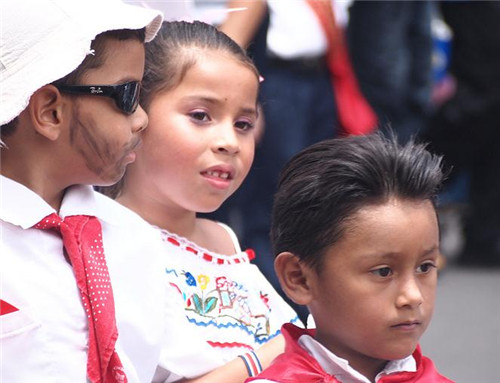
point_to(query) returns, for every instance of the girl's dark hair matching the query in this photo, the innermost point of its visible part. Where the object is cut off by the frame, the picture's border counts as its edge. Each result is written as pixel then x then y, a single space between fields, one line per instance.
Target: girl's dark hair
pixel 322 187
pixel 177 47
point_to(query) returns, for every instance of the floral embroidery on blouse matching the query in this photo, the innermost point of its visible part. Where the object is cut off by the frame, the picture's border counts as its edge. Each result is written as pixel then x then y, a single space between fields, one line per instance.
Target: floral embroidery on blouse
pixel 213 299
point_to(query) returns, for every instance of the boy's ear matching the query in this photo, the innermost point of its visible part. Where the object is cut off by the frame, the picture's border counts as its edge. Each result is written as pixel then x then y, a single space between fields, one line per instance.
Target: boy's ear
pixel 45 109
pixel 294 277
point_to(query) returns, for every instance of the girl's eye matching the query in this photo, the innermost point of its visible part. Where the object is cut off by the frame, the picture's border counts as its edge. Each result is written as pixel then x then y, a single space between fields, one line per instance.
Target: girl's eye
pixel 243 125
pixel 382 272
pixel 199 116
pixel 425 267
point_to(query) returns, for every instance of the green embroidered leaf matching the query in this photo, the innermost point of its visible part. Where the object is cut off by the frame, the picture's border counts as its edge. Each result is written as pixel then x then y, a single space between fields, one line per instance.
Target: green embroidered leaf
pixel 210 304
pixel 197 303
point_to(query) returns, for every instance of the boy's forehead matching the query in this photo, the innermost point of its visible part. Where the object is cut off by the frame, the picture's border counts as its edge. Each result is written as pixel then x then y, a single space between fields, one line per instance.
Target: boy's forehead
pixel 120 61
pixel 378 229
pixel 44 40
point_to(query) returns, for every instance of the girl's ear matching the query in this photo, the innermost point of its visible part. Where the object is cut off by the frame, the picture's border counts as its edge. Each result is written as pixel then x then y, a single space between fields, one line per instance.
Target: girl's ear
pixel 45 110
pixel 294 277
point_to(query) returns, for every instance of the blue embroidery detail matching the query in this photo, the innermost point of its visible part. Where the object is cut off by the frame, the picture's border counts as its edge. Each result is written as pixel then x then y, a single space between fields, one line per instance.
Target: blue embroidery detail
pixel 190 280
pixel 259 340
pixel 171 271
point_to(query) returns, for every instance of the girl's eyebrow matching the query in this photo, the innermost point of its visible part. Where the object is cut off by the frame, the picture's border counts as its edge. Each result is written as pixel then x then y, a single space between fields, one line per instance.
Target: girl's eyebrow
pixel 252 111
pixel 214 100
pixel 210 99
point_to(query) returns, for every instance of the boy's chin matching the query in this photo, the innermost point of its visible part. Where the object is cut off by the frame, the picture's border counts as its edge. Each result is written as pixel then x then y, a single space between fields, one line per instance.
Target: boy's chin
pixel 400 352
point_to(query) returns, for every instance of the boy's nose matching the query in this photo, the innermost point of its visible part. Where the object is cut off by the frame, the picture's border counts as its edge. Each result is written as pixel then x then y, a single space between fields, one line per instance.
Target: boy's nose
pixel 410 294
pixel 140 120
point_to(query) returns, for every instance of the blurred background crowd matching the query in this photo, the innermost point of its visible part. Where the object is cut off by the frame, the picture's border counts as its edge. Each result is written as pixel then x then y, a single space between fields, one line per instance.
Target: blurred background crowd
pixel 428 70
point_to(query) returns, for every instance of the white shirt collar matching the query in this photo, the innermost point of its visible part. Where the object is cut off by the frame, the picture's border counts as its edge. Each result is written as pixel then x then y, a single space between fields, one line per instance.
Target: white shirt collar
pixel 340 368
pixel 22 207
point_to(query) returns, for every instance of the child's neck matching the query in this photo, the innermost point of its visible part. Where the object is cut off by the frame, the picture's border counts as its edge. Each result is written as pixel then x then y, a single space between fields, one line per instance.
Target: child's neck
pixel 368 367
pixel 184 223
pixel 178 221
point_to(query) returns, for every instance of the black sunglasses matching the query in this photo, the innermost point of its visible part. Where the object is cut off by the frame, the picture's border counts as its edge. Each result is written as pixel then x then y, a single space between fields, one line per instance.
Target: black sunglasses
pixel 126 95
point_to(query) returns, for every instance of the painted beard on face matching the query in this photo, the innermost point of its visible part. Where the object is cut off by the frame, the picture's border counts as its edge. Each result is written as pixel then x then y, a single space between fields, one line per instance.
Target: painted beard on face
pixel 104 154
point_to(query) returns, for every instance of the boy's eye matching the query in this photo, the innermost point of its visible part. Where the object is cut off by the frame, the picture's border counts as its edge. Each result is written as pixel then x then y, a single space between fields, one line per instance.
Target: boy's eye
pixel 243 125
pixel 382 272
pixel 426 267
pixel 199 116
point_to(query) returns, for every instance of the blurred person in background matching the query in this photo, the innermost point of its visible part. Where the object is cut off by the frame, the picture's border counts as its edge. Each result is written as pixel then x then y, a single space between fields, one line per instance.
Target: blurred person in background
pixel 465 127
pixel 390 44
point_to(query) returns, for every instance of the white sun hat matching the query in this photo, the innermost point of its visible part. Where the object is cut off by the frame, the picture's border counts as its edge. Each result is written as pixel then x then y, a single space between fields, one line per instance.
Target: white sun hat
pixel 44 40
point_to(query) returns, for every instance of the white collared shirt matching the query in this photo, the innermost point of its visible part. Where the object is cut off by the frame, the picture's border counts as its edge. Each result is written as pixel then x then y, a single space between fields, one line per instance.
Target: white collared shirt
pixel 295 31
pixel 45 340
pixel 340 368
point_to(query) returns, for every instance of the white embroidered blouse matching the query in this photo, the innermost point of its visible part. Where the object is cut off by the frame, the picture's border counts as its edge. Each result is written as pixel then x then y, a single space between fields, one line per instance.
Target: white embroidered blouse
pixel 220 306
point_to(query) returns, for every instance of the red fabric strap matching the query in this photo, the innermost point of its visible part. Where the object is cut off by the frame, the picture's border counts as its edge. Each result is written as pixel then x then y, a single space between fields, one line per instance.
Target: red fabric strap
pixel 356 116
pixel 82 239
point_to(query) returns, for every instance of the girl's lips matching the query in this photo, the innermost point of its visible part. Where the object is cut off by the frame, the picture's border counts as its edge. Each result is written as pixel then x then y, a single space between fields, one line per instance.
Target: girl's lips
pixel 222 171
pixel 218 179
pixel 218 174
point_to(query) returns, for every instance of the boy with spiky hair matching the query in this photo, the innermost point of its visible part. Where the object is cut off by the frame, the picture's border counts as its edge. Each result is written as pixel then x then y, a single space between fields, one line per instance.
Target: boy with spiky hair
pixel 356 235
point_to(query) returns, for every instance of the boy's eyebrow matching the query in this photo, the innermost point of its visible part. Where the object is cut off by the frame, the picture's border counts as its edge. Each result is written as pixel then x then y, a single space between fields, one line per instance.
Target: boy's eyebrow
pixel 392 255
pixel 430 251
pixel 121 80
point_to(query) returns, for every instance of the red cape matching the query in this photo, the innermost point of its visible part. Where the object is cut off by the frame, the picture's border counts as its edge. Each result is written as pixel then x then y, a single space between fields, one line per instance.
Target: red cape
pixel 296 365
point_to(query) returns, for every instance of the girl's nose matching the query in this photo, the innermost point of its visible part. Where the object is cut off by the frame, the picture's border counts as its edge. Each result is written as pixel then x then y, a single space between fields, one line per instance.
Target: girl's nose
pixel 226 140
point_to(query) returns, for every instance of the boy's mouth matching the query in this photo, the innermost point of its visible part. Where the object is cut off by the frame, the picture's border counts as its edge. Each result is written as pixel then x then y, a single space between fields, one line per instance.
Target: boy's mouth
pixel 408 325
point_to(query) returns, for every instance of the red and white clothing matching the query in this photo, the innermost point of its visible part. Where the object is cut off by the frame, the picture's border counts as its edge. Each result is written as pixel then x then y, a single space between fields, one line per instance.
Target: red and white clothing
pixel 305 360
pixel 44 332
pixel 220 306
pixel 294 30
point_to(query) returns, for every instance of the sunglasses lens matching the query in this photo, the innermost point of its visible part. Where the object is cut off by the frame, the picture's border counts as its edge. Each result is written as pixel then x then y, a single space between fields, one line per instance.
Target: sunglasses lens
pixel 128 97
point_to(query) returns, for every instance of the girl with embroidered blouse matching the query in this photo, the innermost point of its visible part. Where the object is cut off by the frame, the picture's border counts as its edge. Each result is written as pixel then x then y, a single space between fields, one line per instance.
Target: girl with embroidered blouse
pixel 200 92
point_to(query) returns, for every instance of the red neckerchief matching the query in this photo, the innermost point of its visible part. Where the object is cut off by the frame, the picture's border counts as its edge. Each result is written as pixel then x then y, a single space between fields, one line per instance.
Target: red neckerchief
pixel 82 239
pixel 297 365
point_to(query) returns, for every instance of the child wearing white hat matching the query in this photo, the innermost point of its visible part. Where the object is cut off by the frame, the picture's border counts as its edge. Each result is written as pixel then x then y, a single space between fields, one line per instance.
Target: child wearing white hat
pixel 79 299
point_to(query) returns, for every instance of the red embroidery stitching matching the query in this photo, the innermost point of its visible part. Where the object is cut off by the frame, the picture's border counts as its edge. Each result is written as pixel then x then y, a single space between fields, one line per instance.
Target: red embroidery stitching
pixel 229 345
pixel 243 257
